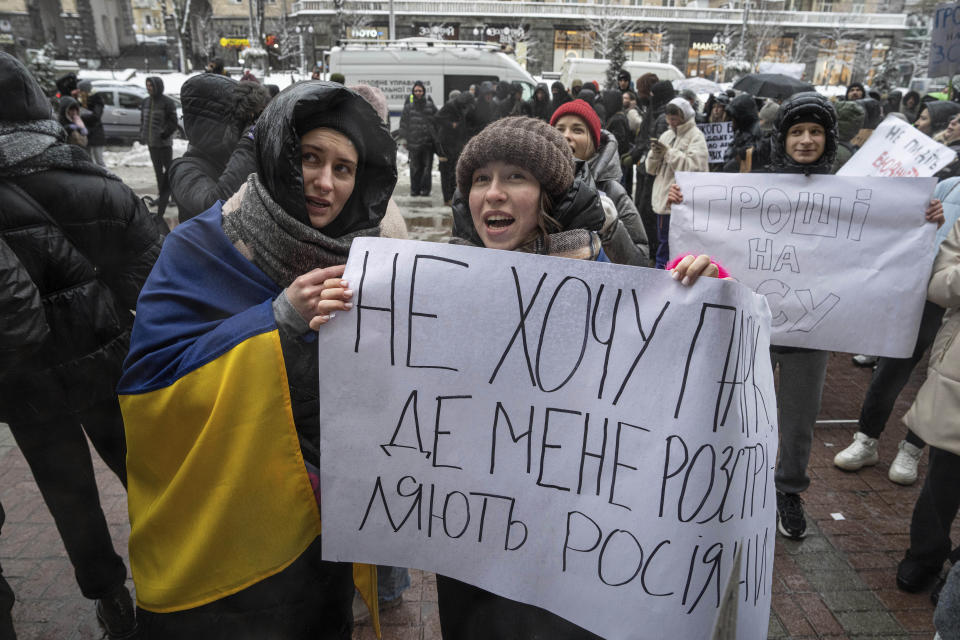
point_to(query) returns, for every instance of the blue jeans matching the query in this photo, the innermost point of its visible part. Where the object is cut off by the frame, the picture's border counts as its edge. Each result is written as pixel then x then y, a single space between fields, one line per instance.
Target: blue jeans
pixel 663 238
pixel 391 582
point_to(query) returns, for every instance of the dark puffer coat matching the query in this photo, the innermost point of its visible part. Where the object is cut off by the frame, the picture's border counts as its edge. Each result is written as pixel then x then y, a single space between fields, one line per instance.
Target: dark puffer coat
pixel 746 132
pixel 873 112
pixel 654 120
pixel 560 96
pixel 416 121
pixel 217 114
pixel 158 117
pixel 485 112
pixel 616 122
pixel 83 256
pixel 451 123
pixel 606 171
pixel 539 105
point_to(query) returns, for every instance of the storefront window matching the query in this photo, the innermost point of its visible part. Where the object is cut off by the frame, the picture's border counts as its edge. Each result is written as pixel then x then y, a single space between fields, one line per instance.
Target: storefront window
pixel 835 62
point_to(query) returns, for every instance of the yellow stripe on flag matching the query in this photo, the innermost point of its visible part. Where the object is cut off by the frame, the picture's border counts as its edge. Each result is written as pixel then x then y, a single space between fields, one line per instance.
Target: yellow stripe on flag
pixel 219 497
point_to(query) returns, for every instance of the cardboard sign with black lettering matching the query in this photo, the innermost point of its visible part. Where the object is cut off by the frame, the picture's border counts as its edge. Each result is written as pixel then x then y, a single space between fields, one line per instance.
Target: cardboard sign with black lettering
pixel 945 41
pixel 594 439
pixel 719 136
pixel 843 261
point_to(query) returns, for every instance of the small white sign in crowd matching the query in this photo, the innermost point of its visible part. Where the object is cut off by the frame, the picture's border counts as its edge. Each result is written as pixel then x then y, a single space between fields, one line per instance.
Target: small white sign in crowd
pixel 896 149
pixel 843 261
pixel 719 136
pixel 594 439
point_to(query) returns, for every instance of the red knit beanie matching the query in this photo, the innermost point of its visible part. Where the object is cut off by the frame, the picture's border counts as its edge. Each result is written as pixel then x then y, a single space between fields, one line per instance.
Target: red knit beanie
pixel 583 111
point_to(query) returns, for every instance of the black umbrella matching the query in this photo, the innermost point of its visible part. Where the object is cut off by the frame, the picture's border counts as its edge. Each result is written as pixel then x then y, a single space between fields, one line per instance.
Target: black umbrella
pixel 771 85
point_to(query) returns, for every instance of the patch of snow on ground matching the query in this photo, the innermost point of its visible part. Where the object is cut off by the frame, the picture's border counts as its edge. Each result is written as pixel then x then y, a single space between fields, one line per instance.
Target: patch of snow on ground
pixel 139 155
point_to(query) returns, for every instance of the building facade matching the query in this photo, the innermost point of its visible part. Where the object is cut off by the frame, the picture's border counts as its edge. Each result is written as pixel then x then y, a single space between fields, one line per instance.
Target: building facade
pixel 78 29
pixel 834 40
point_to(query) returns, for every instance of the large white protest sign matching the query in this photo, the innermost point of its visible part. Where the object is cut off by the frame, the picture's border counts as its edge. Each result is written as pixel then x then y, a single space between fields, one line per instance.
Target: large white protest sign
pixel 844 261
pixel 594 439
pixel 719 136
pixel 898 150
pixel 945 41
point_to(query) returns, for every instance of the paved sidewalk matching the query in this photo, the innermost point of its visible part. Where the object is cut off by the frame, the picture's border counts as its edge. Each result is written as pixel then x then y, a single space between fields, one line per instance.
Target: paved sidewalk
pixel 838 583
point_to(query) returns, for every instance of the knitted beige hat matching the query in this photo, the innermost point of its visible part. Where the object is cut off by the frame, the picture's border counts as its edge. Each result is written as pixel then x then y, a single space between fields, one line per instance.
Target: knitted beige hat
pixel 529 143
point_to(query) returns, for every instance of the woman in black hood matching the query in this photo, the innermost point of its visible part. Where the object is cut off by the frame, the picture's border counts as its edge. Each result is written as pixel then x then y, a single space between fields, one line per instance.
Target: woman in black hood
pixel 935 116
pixel 742 111
pixel 560 96
pixel 256 275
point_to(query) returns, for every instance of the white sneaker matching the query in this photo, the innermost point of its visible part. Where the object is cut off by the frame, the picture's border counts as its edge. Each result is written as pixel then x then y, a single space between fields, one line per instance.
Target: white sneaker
pixel 903 469
pixel 862 453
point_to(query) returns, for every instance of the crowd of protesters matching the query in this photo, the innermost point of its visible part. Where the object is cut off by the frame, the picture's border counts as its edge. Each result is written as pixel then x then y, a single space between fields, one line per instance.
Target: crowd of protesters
pixel 272 190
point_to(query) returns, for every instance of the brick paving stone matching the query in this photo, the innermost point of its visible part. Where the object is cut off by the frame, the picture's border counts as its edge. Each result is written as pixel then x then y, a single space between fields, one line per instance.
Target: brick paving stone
pixel 851 601
pixel 873 622
pixel 915 620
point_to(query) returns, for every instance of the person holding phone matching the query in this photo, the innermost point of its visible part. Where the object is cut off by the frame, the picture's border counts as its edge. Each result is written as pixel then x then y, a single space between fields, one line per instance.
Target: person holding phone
pixel 681 147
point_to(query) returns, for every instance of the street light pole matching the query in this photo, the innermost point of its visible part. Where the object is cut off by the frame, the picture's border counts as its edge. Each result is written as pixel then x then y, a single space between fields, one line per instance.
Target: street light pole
pixel 393 23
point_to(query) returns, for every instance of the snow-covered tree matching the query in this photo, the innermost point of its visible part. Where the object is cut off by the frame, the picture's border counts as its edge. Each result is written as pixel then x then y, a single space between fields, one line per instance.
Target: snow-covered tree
pixel 41 66
pixel 176 13
pixel 607 26
pixel 617 56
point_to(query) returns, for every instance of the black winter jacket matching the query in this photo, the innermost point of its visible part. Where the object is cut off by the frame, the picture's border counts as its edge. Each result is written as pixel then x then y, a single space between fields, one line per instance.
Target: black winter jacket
pixel 158 117
pixel 87 257
pixel 747 134
pixel 220 156
pixel 416 122
pixel 485 112
pixel 24 327
pixel 451 122
pixel 91 116
pixel 606 171
pixel 539 105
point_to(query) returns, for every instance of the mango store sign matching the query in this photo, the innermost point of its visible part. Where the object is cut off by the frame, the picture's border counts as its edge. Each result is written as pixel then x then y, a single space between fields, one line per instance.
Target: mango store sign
pixel 593 439
pixel 898 150
pixel 843 261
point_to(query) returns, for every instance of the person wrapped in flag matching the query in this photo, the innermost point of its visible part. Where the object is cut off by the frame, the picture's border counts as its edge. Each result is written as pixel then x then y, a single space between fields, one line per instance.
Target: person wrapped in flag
pixel 220 388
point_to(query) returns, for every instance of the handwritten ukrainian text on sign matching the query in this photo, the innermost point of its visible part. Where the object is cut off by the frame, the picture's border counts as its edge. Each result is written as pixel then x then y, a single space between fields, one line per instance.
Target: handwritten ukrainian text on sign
pixel 719 136
pixel 898 150
pixel 945 41
pixel 594 439
pixel 833 255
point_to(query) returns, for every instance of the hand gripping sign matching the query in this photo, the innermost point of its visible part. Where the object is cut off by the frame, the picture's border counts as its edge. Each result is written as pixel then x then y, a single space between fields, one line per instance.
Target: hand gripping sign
pixel 590 438
pixel 843 261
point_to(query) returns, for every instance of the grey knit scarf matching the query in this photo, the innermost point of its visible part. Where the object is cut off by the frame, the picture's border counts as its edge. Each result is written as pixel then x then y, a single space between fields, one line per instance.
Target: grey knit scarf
pixel 32 146
pixel 281 246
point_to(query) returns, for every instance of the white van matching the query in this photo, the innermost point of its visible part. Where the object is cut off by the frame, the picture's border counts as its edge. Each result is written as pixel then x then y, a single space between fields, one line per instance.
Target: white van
pixel 394 65
pixel 588 69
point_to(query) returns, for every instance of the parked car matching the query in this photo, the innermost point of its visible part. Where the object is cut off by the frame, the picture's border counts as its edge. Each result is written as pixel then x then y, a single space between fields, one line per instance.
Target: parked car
pixel 121 109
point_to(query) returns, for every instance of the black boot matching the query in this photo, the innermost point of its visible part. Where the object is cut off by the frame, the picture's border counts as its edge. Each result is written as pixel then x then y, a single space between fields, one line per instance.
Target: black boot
pixel 116 615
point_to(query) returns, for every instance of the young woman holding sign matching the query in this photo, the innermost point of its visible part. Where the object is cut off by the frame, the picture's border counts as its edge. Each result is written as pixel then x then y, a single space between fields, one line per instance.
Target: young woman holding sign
pixel 516 191
pixel 805 141
pixel 220 389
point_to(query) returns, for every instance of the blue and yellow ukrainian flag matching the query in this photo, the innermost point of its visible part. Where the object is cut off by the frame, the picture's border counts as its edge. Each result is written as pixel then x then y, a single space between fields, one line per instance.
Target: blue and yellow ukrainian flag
pixel 219 495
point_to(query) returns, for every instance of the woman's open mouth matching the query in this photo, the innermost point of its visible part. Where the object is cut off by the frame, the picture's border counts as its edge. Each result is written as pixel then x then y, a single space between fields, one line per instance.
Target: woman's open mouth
pixel 318 205
pixel 498 221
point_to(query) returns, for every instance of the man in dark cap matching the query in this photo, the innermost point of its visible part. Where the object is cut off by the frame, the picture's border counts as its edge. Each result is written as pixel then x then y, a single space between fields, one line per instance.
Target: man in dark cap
pixel 623 81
